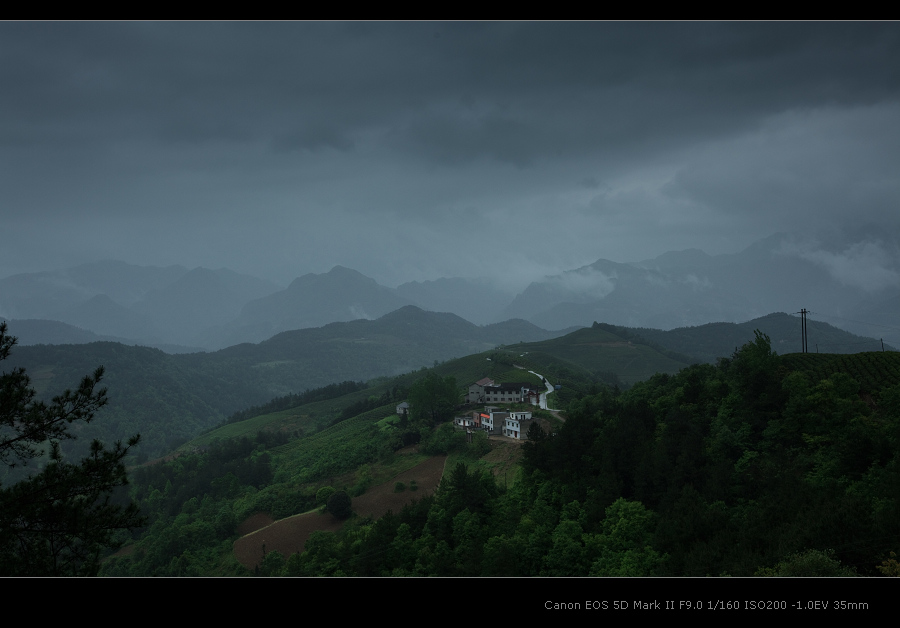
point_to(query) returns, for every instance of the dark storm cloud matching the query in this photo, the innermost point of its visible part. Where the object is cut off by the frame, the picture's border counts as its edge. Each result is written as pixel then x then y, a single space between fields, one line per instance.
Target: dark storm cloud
pixel 614 89
pixel 808 167
pixel 251 80
pixel 321 142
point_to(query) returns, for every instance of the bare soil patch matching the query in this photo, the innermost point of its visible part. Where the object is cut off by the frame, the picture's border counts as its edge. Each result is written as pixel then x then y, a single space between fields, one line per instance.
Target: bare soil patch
pixel 378 500
pixel 289 536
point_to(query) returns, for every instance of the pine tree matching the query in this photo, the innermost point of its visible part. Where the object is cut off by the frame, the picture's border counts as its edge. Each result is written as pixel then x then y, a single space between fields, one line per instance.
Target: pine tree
pixel 58 520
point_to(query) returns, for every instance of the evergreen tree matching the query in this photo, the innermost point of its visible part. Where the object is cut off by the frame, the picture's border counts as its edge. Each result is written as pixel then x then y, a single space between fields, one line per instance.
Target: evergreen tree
pixel 57 521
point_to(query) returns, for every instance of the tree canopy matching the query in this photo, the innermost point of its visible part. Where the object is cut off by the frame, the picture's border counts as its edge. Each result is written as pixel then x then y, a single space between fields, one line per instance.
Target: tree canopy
pixel 58 520
pixel 339 504
pixel 760 465
pixel 433 398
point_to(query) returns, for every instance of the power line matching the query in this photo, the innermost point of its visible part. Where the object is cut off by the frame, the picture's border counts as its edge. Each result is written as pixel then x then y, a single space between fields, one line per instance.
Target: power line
pixel 805 343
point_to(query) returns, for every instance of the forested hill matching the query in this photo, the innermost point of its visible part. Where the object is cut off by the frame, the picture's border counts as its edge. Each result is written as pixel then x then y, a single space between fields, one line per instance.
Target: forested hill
pixel 401 341
pixel 150 392
pixel 744 468
pixel 758 465
pixel 608 353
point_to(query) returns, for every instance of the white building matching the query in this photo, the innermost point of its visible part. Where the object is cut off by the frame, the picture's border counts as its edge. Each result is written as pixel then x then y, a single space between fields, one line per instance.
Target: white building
pixel 516 424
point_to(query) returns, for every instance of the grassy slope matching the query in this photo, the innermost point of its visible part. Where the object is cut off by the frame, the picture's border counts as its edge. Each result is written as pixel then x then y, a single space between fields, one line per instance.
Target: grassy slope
pixel 307 418
pixel 596 352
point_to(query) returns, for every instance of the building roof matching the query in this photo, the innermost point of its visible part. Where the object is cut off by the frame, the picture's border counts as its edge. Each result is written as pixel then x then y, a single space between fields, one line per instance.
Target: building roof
pixel 512 386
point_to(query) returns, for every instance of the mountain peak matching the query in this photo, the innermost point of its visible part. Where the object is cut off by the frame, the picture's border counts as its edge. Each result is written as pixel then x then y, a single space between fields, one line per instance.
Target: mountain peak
pixel 405 310
pixel 338 273
pixel 349 273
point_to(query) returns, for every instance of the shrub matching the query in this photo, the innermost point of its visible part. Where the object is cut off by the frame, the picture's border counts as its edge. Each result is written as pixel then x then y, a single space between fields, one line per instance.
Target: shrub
pixel 809 564
pixel 480 446
pixel 443 440
pixel 323 494
pixel 339 505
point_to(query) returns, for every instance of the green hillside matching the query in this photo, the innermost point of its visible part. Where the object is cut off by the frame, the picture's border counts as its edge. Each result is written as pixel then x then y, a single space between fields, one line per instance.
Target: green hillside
pixel 729 443
pixel 150 392
pixel 715 440
pixel 169 399
pixel 313 417
pixel 577 361
pixel 747 468
pixel 600 354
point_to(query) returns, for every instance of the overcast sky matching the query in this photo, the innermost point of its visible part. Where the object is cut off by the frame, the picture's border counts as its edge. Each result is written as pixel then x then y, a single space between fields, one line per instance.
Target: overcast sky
pixel 412 151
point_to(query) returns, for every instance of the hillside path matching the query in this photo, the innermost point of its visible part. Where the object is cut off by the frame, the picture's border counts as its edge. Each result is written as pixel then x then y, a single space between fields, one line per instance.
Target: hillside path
pixel 543 401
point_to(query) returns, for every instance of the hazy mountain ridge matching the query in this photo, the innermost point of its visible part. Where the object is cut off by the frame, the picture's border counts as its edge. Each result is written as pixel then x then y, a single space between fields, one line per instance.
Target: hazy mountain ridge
pixel 200 301
pixel 477 300
pixel 144 304
pixel 340 295
pixel 49 332
pixel 44 332
pixel 221 308
pixel 100 312
pixel 36 295
pixel 215 309
pixel 690 288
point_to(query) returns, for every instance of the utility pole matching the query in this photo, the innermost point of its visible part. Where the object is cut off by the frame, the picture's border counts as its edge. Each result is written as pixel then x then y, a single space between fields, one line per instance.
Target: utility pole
pixel 803 314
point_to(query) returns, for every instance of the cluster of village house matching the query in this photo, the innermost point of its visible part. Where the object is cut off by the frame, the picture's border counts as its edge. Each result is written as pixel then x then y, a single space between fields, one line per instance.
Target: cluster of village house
pixel 493 420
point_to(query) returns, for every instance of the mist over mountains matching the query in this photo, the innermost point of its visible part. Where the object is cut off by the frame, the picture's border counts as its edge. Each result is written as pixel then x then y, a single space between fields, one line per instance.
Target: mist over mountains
pixel 167 307
pixel 688 288
pixel 181 310
pixel 241 340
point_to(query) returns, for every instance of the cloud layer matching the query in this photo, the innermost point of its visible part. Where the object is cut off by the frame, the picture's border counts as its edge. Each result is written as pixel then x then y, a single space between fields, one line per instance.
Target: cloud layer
pixel 411 151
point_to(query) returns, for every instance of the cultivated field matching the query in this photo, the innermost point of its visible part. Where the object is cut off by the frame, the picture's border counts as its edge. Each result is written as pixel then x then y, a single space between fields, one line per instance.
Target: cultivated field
pixel 289 536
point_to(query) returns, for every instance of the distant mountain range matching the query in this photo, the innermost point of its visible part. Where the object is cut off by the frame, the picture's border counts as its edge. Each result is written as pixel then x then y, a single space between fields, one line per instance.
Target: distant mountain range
pixel 157 307
pixel 181 310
